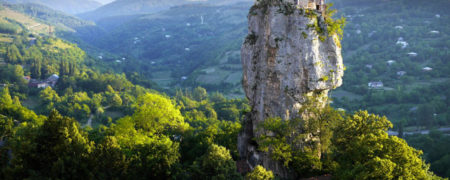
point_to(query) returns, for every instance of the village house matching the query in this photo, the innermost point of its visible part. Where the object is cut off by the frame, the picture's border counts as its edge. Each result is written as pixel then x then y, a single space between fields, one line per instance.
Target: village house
pixel 27 78
pixel 390 62
pixel 375 84
pixel 318 5
pixel 427 69
pixel 412 54
pixel 371 34
pixel 38 84
pixel 402 43
pixel 434 32
pixel 52 80
pixel 49 82
pixel 401 73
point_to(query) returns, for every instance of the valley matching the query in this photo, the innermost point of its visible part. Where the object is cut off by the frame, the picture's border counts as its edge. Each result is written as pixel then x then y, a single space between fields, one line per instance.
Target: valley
pixel 135 74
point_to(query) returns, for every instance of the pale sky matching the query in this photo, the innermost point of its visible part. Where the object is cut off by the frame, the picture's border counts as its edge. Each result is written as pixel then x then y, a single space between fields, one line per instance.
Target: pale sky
pixel 104 1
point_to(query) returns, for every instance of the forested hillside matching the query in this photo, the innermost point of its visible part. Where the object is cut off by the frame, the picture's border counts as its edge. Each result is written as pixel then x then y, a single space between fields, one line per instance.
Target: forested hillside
pixel 186 46
pixel 66 6
pixel 405 46
pixel 81 102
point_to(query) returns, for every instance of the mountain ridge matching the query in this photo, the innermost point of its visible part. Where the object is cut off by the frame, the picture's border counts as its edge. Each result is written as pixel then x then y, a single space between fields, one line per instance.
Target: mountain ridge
pixel 67 6
pixel 134 7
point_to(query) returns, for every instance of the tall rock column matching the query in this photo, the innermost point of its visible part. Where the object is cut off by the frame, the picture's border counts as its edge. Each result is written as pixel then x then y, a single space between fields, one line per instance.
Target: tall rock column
pixel 287 55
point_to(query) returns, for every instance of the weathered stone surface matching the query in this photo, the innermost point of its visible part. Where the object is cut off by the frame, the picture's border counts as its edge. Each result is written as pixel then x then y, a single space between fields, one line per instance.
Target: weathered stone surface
pixel 283 60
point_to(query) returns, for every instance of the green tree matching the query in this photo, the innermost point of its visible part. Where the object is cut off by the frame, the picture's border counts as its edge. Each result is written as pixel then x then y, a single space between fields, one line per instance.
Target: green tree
pixel 110 160
pixel 36 68
pixel 364 150
pixel 58 149
pixel 259 173
pixel 6 127
pixel 48 95
pixel 18 75
pixel 116 100
pixel 157 114
pixel 425 115
pixel 216 164
pixel 13 54
pixel 199 94
pixel 5 97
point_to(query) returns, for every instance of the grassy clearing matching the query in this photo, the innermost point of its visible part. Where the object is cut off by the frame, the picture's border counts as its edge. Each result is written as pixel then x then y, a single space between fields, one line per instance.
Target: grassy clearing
pixel 27 21
pixel 5 39
pixel 114 114
pixel 423 83
pixel 56 45
pixel 32 102
pixel 213 76
pixel 162 78
pixel 234 78
pixel 342 93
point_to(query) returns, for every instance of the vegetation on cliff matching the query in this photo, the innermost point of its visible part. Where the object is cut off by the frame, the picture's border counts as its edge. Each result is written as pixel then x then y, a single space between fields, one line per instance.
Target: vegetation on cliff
pixel 345 145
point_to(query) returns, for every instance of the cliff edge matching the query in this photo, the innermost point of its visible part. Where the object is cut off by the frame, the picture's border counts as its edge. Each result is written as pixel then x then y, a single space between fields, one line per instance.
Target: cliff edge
pixel 287 55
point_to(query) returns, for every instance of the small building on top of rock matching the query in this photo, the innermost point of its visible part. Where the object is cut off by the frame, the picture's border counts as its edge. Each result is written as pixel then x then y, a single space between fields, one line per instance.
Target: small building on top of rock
pixel 318 5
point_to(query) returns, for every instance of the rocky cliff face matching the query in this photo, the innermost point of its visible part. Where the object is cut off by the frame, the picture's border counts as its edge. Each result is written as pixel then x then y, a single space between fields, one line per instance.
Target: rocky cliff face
pixel 284 59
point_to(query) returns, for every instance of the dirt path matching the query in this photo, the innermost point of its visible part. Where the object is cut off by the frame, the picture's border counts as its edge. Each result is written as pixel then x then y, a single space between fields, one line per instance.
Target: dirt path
pixel 442 129
pixel 89 122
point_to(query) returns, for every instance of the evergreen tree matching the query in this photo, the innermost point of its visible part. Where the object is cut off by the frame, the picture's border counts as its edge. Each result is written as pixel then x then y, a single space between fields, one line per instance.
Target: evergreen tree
pixel 36 67
pixel 13 54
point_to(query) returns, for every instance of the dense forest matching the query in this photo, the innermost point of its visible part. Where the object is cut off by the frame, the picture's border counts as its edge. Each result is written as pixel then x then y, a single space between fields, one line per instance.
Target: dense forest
pixel 192 135
pixel 105 119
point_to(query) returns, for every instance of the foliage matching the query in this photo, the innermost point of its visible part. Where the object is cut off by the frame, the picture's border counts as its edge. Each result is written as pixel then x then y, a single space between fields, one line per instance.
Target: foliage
pixel 334 26
pixel 259 173
pixel 347 146
pixel 216 164
pixel 57 149
pixel 157 114
pixel 364 150
pixel 15 110
pixel 435 146
pixel 8 28
pixel 300 143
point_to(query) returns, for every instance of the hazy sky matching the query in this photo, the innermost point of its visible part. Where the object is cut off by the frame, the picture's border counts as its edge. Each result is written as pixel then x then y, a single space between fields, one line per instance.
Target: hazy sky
pixel 104 1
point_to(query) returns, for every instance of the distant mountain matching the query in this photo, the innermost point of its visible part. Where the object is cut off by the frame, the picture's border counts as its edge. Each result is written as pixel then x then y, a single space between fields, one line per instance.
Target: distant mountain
pixel 133 7
pixel 66 6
